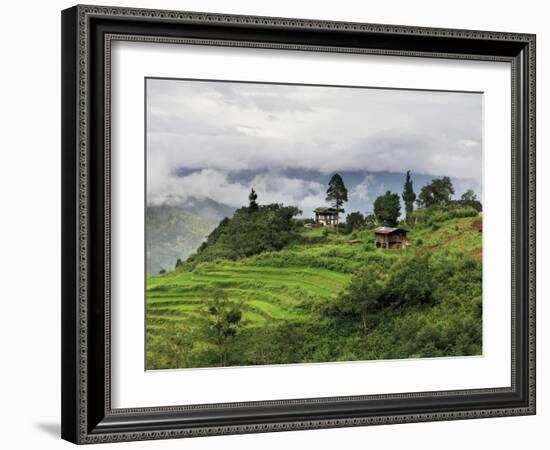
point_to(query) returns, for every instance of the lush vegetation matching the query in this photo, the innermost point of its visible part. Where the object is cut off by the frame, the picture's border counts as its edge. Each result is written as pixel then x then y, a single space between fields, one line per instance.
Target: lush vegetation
pixel 252 230
pixel 267 288
pixel 387 209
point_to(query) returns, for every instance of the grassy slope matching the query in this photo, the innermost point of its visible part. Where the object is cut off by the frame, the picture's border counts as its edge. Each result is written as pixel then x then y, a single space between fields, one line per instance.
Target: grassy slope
pixel 267 292
pixel 336 254
pixel 272 285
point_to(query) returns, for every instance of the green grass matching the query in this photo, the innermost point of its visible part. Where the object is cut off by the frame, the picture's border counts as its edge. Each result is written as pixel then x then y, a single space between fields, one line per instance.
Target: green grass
pixel 335 253
pixel 271 284
pixel 279 287
pixel 267 293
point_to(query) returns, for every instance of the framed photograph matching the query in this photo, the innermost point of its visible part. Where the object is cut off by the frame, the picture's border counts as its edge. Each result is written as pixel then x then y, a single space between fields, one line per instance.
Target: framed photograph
pixel 277 224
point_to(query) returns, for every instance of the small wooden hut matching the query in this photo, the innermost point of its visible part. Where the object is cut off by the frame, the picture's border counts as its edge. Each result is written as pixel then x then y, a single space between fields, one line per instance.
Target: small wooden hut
pixel 390 237
pixel 326 216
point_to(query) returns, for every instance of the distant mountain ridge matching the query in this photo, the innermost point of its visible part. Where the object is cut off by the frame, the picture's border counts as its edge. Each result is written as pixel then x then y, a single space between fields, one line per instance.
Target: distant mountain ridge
pixel 208 209
pixel 363 186
pixel 176 229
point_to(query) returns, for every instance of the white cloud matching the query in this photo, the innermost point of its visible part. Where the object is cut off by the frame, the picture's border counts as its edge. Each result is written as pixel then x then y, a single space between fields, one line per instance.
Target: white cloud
pixel 362 190
pixel 215 184
pixel 221 128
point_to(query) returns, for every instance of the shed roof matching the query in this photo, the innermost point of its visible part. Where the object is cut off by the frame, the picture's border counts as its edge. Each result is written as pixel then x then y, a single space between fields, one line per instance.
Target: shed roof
pixel 388 230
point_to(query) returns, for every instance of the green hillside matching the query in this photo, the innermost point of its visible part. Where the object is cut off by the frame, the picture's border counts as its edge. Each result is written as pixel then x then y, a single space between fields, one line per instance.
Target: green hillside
pixel 319 296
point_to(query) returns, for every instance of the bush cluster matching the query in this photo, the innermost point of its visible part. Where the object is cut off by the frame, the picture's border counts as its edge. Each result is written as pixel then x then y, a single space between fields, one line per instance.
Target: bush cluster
pixel 249 232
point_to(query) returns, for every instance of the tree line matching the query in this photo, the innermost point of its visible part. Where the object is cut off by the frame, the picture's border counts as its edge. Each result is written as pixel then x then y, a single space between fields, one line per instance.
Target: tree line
pixel 387 207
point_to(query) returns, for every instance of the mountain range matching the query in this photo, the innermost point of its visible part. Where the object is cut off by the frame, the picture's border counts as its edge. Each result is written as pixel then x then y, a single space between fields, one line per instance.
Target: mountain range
pixel 176 229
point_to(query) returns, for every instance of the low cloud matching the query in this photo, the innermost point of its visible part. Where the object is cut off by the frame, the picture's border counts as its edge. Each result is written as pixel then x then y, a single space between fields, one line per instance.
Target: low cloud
pixel 362 191
pixel 216 129
pixel 217 185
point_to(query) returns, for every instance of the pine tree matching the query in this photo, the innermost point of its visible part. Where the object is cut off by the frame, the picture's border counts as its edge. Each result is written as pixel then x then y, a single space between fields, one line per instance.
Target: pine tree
pixel 252 205
pixel 337 194
pixel 408 196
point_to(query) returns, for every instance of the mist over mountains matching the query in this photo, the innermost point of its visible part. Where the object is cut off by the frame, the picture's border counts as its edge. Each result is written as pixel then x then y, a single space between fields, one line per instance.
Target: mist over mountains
pixel 175 229
pixel 301 187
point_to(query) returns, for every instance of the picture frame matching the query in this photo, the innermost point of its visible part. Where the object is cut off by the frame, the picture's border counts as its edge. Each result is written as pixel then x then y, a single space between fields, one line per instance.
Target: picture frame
pixel 87 365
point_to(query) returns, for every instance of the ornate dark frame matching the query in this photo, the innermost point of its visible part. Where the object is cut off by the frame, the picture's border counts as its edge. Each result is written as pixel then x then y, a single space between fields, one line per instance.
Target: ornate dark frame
pixel 87 32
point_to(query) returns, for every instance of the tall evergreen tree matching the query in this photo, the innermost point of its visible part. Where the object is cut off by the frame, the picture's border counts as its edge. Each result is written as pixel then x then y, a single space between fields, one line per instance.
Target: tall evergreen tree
pixel 337 195
pixel 408 196
pixel 252 205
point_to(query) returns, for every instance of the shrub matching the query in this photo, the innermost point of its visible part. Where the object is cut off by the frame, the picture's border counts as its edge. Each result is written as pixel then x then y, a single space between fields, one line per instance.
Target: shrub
pixel 354 221
pixel 342 228
pixel 314 239
pixel 410 282
pixel 368 247
pixel 301 222
pixel 435 213
pixel 461 212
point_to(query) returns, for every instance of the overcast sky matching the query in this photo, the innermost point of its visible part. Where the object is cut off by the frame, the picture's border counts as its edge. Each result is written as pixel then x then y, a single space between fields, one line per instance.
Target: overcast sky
pixel 219 139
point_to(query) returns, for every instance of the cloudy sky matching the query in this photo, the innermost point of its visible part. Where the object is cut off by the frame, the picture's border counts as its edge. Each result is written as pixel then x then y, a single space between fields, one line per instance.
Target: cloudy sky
pixel 218 139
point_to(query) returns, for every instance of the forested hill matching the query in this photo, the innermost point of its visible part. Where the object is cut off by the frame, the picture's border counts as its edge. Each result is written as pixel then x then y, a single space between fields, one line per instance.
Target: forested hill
pixel 252 230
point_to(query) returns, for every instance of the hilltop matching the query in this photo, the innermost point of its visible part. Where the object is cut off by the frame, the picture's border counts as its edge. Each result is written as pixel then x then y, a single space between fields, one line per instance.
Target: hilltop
pixel 251 230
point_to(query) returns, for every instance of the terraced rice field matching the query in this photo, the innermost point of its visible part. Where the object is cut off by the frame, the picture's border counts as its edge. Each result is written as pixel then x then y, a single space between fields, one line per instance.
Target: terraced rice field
pixel 267 293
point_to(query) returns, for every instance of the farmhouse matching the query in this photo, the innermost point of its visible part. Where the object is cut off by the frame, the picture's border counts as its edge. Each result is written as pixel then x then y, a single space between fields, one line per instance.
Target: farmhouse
pixel 326 216
pixel 390 237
